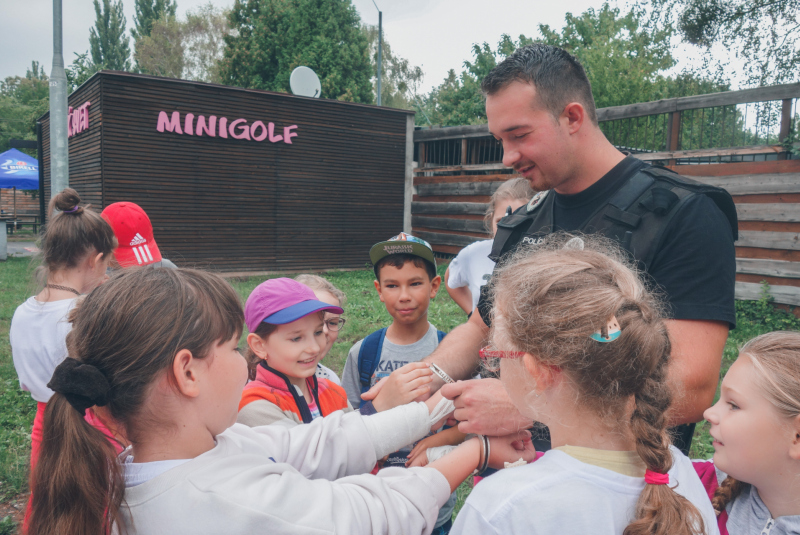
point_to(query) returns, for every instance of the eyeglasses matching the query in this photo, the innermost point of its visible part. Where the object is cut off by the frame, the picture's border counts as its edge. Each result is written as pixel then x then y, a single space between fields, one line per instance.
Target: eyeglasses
pixel 489 353
pixel 334 324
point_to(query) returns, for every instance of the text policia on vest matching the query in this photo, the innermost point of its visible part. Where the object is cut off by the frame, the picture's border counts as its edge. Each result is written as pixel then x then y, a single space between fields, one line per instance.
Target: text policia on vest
pixel 211 127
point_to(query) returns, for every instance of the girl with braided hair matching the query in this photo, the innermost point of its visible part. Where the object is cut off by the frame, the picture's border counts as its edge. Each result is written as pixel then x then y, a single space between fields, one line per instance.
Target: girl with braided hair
pixel 582 347
pixel 756 430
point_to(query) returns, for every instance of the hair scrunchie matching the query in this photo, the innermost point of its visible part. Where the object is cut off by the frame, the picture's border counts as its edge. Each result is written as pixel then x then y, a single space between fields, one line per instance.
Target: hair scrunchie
pixel 83 385
pixel 654 478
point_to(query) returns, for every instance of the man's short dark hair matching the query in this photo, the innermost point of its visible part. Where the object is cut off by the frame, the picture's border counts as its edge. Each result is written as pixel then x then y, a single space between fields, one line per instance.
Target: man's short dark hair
pixel 399 260
pixel 557 75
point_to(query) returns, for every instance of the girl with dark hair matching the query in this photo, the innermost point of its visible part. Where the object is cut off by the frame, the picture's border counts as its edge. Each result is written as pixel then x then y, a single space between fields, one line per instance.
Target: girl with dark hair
pixel 154 351
pixel 583 349
pixel 76 246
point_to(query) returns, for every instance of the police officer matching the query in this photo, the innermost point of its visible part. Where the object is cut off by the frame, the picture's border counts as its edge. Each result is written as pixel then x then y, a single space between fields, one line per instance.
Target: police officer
pixel 539 104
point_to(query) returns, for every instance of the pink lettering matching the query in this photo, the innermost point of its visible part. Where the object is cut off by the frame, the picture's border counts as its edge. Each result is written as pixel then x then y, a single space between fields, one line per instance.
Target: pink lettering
pixel 70 132
pixel 262 136
pixel 212 126
pixel 288 134
pixel 188 124
pixel 171 125
pixel 272 137
pixel 85 116
pixel 245 130
pixel 78 120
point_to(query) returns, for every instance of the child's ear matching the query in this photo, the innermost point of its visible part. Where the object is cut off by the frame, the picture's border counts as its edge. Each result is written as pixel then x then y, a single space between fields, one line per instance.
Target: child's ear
pixel 794 449
pixel 186 373
pixel 378 288
pixel 436 283
pixel 545 376
pixel 257 345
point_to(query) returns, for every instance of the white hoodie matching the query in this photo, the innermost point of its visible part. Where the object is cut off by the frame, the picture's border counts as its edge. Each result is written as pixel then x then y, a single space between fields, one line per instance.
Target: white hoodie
pixel 305 479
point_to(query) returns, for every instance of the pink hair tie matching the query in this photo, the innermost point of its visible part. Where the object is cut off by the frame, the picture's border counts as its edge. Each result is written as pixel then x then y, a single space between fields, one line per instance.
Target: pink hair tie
pixel 654 478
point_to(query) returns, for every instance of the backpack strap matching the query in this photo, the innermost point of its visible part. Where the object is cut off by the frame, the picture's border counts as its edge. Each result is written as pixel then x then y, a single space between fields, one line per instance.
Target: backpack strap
pixel 441 335
pixel 368 357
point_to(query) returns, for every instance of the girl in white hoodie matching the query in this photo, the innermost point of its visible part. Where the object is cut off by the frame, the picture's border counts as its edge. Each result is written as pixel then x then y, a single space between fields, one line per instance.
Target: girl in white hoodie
pixel 155 352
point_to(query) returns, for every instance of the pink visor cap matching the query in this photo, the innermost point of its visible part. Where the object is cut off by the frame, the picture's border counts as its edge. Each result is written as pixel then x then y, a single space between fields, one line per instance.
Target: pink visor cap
pixel 281 301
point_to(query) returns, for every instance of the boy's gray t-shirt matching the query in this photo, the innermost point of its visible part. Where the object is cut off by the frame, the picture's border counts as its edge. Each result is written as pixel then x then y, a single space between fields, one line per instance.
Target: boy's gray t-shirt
pixel 393 356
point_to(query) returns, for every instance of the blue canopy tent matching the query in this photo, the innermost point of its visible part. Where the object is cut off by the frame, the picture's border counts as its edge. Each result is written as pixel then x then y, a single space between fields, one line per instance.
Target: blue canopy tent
pixel 18 171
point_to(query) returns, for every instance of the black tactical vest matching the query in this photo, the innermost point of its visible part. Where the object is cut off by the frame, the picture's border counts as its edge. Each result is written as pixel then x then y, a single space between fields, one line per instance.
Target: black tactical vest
pixel 636 215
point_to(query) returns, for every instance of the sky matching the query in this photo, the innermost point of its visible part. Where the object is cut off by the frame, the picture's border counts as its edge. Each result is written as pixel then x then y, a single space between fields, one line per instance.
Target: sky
pixel 436 35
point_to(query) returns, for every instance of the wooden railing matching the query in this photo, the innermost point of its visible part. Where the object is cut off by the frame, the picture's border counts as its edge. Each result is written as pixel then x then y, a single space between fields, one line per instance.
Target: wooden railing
pixel 458 168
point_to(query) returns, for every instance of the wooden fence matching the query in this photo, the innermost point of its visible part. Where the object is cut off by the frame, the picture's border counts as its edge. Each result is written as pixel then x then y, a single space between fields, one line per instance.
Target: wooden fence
pixel 458 169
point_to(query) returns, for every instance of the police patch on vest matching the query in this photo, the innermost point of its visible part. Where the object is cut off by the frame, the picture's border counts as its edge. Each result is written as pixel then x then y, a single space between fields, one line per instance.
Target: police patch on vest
pixel 537 200
pixel 532 240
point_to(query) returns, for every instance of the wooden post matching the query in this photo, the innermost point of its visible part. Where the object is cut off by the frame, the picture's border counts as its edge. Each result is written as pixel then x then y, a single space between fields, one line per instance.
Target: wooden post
pixel 673 134
pixel 786 124
pixel 421 156
pixel 463 153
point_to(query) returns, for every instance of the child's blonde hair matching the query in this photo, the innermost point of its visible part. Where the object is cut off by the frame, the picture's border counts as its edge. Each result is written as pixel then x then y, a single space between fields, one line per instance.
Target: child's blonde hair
pixel 548 303
pixel 315 282
pixel 516 189
pixel 776 359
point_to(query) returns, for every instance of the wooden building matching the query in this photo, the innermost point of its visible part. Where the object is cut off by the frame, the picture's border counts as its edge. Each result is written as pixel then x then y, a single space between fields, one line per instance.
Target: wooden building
pixel 241 180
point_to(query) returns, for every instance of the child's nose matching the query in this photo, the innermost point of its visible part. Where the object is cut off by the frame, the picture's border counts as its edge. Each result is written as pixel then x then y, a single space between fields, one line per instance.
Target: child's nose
pixel 711 415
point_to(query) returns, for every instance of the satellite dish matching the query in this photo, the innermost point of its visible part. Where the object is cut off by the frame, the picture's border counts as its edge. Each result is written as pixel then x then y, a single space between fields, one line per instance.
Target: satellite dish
pixel 305 82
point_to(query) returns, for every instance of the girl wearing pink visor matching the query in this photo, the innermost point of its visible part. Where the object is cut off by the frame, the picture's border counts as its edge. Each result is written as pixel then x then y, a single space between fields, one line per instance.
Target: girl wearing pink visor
pixel 285 344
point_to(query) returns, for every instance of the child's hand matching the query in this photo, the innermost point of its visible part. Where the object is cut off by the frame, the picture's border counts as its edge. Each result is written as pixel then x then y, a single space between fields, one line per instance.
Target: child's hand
pixel 403 386
pixel 511 448
pixel 420 459
pixel 421 450
pixel 448 437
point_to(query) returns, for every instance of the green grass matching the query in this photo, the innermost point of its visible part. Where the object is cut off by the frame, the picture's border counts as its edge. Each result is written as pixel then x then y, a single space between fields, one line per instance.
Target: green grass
pixel 364 312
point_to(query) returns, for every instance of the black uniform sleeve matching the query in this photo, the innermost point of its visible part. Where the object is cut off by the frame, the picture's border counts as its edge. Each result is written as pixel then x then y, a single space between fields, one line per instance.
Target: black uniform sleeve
pixel 696 264
pixel 485 304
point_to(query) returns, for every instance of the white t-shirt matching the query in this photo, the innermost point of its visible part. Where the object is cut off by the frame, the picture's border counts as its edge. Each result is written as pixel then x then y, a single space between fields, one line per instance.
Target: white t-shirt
pixel 39 343
pixel 472 268
pixel 560 494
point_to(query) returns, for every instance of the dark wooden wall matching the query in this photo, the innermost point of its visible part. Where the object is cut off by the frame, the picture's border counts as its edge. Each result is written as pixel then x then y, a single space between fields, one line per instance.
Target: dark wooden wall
pixel 230 204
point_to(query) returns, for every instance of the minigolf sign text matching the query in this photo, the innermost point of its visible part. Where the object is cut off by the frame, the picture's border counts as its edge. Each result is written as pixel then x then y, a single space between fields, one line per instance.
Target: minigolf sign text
pixel 213 126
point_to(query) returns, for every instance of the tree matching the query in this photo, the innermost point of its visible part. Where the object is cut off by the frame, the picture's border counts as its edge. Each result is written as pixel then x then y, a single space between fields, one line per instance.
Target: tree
pixel 272 37
pixel 764 34
pixel 161 53
pixel 190 49
pixel 400 80
pixel 458 100
pixel 81 70
pixel 624 59
pixel 108 41
pixel 146 12
pixel 204 34
pixel 22 101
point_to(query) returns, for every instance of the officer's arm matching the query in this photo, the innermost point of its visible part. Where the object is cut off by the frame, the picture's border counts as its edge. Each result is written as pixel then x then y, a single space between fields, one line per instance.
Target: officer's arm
pixel 697 347
pixel 457 354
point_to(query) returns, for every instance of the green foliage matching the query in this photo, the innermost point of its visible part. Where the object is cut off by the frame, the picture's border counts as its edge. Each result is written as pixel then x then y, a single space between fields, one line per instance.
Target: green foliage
pixel 146 12
pixel 161 51
pixel 624 59
pixel 458 100
pixel 8 526
pixel 190 49
pixel 82 69
pixel 400 80
pixel 108 39
pixel 272 37
pixel 765 34
pixel 22 101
